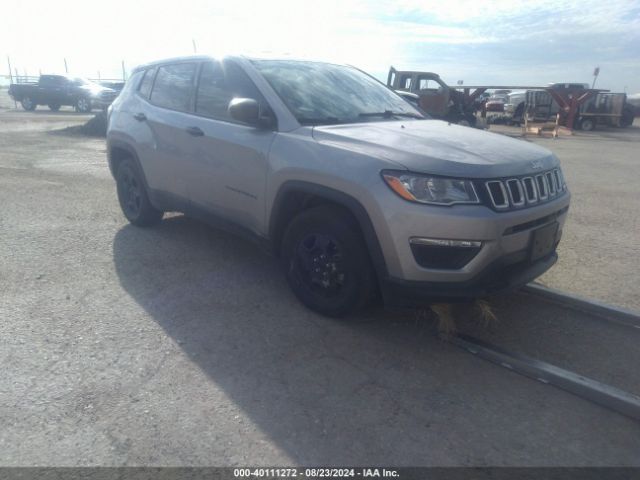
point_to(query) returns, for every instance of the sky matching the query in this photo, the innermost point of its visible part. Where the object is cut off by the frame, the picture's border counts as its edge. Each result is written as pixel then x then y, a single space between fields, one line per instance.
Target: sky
pixel 478 42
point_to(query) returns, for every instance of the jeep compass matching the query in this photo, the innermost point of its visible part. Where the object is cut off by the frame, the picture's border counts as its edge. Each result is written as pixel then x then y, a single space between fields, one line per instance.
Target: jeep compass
pixel 354 190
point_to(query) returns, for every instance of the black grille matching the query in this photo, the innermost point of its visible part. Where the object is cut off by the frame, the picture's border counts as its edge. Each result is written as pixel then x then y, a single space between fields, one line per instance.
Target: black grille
pixel 498 194
pixel 510 193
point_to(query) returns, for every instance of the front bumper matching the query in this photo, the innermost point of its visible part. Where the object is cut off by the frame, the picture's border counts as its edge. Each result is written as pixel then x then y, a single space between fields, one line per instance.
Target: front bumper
pixel 504 275
pixel 103 100
pixel 97 102
pixel 501 234
pixel 502 263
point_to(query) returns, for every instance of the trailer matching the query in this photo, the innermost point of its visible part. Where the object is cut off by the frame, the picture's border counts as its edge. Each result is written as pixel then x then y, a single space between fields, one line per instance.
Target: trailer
pixel 574 104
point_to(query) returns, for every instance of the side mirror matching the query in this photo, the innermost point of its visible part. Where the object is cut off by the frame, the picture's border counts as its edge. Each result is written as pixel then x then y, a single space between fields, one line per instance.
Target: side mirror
pixel 247 110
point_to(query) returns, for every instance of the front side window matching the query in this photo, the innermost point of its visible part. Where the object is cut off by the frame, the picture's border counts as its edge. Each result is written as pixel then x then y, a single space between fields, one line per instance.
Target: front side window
pixel 323 93
pixel 173 86
pixel 221 82
pixel 425 83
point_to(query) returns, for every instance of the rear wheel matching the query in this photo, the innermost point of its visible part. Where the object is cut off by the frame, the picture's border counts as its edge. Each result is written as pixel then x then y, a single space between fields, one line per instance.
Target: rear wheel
pixel 133 197
pixel 83 105
pixel 28 104
pixel 326 262
pixel 54 107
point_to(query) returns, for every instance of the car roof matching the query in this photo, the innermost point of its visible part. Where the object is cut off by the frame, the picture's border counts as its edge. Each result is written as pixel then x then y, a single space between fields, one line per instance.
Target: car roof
pixel 184 58
pixel 416 72
pixel 203 57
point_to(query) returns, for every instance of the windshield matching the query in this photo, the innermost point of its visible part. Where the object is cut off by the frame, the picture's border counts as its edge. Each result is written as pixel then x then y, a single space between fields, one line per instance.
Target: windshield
pixel 83 81
pixel 322 93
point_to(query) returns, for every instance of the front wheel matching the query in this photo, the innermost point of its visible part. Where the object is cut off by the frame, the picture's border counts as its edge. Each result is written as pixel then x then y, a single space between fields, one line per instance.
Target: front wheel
pixel 83 105
pixel 133 197
pixel 587 124
pixel 326 262
pixel 628 114
pixel 28 104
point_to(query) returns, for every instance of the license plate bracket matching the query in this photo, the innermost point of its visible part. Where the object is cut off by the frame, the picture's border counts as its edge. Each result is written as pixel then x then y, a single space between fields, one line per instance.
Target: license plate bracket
pixel 543 240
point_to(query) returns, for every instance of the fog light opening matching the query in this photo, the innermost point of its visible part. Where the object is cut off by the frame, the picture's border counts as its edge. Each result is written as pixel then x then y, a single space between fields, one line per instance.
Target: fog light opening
pixel 443 254
pixel 440 242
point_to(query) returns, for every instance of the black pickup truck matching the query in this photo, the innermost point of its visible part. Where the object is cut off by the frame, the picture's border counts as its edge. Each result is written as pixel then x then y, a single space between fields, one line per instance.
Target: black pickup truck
pixel 57 90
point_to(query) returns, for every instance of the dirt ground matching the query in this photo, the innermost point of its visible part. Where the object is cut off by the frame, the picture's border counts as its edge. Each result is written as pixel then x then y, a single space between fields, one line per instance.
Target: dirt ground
pixel 182 345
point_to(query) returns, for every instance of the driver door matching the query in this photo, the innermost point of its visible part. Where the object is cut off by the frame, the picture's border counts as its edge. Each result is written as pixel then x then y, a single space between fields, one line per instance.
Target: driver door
pixel 434 97
pixel 228 160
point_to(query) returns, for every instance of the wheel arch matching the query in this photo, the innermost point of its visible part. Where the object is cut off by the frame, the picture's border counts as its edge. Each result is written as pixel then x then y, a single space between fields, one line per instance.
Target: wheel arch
pixel 117 152
pixel 295 196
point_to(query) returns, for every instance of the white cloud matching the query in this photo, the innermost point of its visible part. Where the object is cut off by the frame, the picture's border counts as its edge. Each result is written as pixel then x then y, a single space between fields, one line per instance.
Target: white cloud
pixel 458 36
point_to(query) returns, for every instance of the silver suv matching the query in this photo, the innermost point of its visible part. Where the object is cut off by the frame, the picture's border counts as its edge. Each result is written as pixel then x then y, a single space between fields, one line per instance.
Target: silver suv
pixel 357 192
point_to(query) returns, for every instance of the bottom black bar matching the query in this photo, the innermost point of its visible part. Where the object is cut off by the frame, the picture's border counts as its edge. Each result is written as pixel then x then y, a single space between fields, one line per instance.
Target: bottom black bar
pixel 404 473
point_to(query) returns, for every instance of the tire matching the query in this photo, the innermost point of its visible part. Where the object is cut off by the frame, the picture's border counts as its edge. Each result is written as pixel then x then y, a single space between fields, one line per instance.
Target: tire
pixel 28 104
pixel 83 105
pixel 133 197
pixel 518 114
pixel 587 124
pixel 54 107
pixel 626 120
pixel 326 262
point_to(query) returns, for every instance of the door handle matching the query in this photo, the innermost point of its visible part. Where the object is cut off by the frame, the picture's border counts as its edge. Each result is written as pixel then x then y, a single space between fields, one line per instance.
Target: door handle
pixel 195 131
pixel 141 117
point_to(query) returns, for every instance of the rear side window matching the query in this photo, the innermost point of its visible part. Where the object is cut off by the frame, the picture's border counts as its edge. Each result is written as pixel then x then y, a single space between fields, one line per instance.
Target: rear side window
pixel 221 83
pixel 147 82
pixel 52 80
pixel 173 86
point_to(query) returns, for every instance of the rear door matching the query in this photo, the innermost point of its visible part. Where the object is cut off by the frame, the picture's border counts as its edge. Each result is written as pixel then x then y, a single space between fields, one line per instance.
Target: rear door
pixel 51 90
pixel 167 117
pixel 227 167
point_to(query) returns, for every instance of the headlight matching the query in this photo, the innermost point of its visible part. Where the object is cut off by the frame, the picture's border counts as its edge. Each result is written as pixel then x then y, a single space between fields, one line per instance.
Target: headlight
pixel 429 189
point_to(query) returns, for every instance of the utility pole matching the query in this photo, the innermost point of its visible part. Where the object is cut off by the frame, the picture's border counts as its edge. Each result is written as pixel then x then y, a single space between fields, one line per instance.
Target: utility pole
pixel 15 103
pixel 596 72
pixel 124 75
pixel 10 74
pixel 195 49
pixel 66 69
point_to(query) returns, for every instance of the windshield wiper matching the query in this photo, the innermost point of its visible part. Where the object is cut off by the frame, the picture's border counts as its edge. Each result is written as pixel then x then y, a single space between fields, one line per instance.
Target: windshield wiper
pixel 389 114
pixel 320 121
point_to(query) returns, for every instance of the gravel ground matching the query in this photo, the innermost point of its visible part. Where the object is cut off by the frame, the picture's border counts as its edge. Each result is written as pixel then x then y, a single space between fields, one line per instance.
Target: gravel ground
pixel 182 345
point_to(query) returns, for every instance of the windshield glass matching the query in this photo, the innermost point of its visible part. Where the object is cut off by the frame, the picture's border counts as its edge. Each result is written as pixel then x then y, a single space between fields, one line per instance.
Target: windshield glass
pixel 83 81
pixel 322 93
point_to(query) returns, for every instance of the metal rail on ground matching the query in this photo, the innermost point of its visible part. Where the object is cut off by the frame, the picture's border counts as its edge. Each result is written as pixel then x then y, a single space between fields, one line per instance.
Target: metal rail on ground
pixel 605 395
pixel 610 312
pixel 602 394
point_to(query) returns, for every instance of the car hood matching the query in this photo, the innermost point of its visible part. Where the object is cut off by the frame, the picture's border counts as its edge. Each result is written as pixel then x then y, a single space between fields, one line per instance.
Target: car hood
pixel 96 89
pixel 440 148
